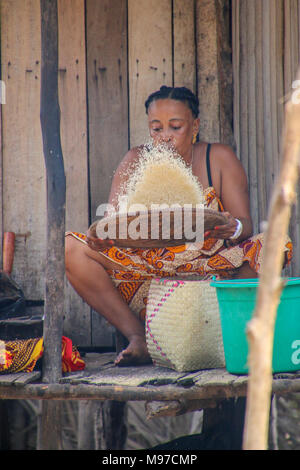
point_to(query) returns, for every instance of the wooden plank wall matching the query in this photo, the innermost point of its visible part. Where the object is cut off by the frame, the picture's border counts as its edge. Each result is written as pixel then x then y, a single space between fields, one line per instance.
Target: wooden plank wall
pixel 161 51
pixel 265 59
pixel 74 140
pixel 24 189
pixel 101 44
pixel 107 80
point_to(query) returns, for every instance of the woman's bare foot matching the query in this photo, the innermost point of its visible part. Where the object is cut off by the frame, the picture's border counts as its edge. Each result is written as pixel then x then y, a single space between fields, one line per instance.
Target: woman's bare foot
pixel 136 353
pixel 87 273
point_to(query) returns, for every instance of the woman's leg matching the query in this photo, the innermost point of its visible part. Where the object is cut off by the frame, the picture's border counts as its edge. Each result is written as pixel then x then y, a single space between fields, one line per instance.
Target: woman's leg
pixel 86 271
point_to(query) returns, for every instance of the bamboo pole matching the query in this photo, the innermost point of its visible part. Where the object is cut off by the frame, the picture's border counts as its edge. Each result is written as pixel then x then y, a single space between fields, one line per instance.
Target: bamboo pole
pixel 260 329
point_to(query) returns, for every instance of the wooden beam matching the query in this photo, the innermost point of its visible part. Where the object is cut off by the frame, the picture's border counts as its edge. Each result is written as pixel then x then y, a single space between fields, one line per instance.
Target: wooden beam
pixel 139 393
pixel 56 193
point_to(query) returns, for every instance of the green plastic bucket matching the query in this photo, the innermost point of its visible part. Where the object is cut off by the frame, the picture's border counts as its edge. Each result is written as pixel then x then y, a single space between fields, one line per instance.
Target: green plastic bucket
pixel 237 300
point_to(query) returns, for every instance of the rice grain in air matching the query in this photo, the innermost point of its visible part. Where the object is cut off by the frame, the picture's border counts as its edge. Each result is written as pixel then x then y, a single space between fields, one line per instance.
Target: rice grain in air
pixel 161 177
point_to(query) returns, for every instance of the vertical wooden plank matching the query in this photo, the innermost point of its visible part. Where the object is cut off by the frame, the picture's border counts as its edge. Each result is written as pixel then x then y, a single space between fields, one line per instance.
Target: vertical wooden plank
pixel 276 51
pixel 107 93
pixel 287 47
pixel 224 65
pixel 49 427
pixel 294 38
pixel 251 74
pixel 110 420
pixel 235 69
pixel 87 410
pixel 106 33
pixel 150 58
pixel 1 177
pixel 207 70
pixel 296 262
pixel 299 31
pixel 294 64
pixel 269 168
pixel 1 156
pixel 243 79
pixel 73 105
pixel 259 97
pixel 24 187
pixel 184 44
pixel 273 85
pixel 291 37
pixel 279 71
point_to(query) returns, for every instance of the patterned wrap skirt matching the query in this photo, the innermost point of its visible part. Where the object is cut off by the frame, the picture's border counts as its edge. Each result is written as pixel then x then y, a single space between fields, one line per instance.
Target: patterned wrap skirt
pixel 138 266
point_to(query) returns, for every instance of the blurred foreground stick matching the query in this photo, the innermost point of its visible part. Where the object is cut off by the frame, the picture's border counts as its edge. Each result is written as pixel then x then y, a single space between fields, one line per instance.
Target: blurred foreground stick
pixel 261 328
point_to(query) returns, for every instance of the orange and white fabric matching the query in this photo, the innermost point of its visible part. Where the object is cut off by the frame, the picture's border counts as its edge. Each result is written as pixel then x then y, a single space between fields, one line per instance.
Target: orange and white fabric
pixel 22 355
pixel 138 266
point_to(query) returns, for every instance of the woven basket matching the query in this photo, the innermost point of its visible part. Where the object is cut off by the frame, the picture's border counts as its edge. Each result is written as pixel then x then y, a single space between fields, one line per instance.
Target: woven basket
pixel 183 329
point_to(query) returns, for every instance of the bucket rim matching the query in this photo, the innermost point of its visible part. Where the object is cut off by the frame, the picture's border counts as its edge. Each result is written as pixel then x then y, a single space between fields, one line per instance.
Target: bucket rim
pixel 242 283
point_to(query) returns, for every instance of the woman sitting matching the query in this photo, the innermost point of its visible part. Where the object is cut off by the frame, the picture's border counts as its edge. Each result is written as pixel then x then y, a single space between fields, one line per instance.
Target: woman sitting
pixel 115 281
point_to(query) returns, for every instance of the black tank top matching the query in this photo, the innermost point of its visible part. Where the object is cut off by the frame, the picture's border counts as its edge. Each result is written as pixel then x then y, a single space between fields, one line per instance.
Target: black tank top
pixel 208 165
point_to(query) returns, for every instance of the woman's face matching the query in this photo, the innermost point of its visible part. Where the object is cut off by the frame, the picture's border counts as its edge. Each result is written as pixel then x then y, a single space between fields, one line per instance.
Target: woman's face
pixel 172 122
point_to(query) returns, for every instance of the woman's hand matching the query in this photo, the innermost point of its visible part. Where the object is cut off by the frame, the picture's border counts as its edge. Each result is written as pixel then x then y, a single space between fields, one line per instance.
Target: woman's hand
pixel 224 231
pixel 95 243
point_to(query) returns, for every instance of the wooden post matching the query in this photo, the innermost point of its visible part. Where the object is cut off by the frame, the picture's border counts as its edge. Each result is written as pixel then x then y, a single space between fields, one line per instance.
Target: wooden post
pixel 49 435
pixel 111 431
pixel 261 327
pixel 223 425
pixel 56 193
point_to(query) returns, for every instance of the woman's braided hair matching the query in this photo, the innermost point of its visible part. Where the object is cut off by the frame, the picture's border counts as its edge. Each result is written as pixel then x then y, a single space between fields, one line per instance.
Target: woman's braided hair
pixel 175 93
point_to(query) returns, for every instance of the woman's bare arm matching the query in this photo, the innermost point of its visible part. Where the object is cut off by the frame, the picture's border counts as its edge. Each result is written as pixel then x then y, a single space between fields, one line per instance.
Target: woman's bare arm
pixel 233 192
